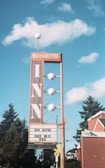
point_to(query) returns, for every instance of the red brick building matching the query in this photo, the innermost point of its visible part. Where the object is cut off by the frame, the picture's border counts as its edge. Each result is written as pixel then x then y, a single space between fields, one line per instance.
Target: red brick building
pixel 97 122
pixel 92 149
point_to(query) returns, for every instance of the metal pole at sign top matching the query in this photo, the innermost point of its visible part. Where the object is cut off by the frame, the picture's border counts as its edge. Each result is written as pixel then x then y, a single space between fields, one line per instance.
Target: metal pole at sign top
pixel 62 124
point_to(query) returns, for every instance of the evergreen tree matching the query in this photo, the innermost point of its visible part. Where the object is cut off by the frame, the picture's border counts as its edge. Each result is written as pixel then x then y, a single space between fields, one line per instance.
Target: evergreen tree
pixel 46 159
pixel 9 116
pixel 13 142
pixel 90 107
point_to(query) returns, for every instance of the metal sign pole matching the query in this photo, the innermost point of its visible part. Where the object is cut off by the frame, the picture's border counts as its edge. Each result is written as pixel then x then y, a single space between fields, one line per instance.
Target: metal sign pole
pixel 56 161
pixel 62 128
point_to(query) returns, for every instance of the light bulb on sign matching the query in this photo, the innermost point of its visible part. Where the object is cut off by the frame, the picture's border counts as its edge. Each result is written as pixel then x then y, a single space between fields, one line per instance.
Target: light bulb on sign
pixel 37 35
pixel 51 107
pixel 51 76
pixel 51 91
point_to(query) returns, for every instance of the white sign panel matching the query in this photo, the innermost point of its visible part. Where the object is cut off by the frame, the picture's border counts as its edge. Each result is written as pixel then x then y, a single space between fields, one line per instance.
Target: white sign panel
pixel 42 133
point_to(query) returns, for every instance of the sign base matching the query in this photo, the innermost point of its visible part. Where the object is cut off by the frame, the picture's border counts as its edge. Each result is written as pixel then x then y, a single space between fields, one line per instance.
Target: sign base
pixel 41 146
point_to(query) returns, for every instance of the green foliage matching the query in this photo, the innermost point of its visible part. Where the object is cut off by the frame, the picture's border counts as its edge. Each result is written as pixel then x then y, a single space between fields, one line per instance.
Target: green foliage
pixel 13 142
pixel 90 107
pixel 72 164
pixel 47 157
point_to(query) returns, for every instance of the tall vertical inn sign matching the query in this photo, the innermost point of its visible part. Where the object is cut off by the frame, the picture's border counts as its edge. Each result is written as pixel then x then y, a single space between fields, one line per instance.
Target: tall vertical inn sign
pixel 40 134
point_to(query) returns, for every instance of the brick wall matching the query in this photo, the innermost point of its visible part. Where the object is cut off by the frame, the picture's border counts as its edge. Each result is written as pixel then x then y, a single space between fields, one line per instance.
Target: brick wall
pixel 93 152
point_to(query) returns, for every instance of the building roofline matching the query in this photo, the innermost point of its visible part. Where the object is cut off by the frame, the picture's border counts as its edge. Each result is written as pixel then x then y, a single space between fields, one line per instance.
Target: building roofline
pixel 87 133
pixel 100 112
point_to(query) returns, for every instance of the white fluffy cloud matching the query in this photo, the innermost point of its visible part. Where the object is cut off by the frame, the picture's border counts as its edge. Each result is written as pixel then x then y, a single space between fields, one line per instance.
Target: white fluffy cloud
pixel 52 33
pixel 65 7
pixel 96 89
pixel 96 7
pixel 47 2
pixel 89 59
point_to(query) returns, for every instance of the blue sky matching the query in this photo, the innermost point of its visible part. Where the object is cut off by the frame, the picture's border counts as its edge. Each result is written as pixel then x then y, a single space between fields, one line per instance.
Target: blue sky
pixel 74 28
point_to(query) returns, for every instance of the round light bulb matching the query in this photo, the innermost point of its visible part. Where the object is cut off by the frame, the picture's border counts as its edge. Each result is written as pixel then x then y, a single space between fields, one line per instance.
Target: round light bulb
pixel 51 91
pixel 51 107
pixel 37 35
pixel 51 76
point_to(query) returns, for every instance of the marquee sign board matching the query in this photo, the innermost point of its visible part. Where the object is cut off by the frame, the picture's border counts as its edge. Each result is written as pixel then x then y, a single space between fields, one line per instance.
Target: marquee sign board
pixel 43 133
